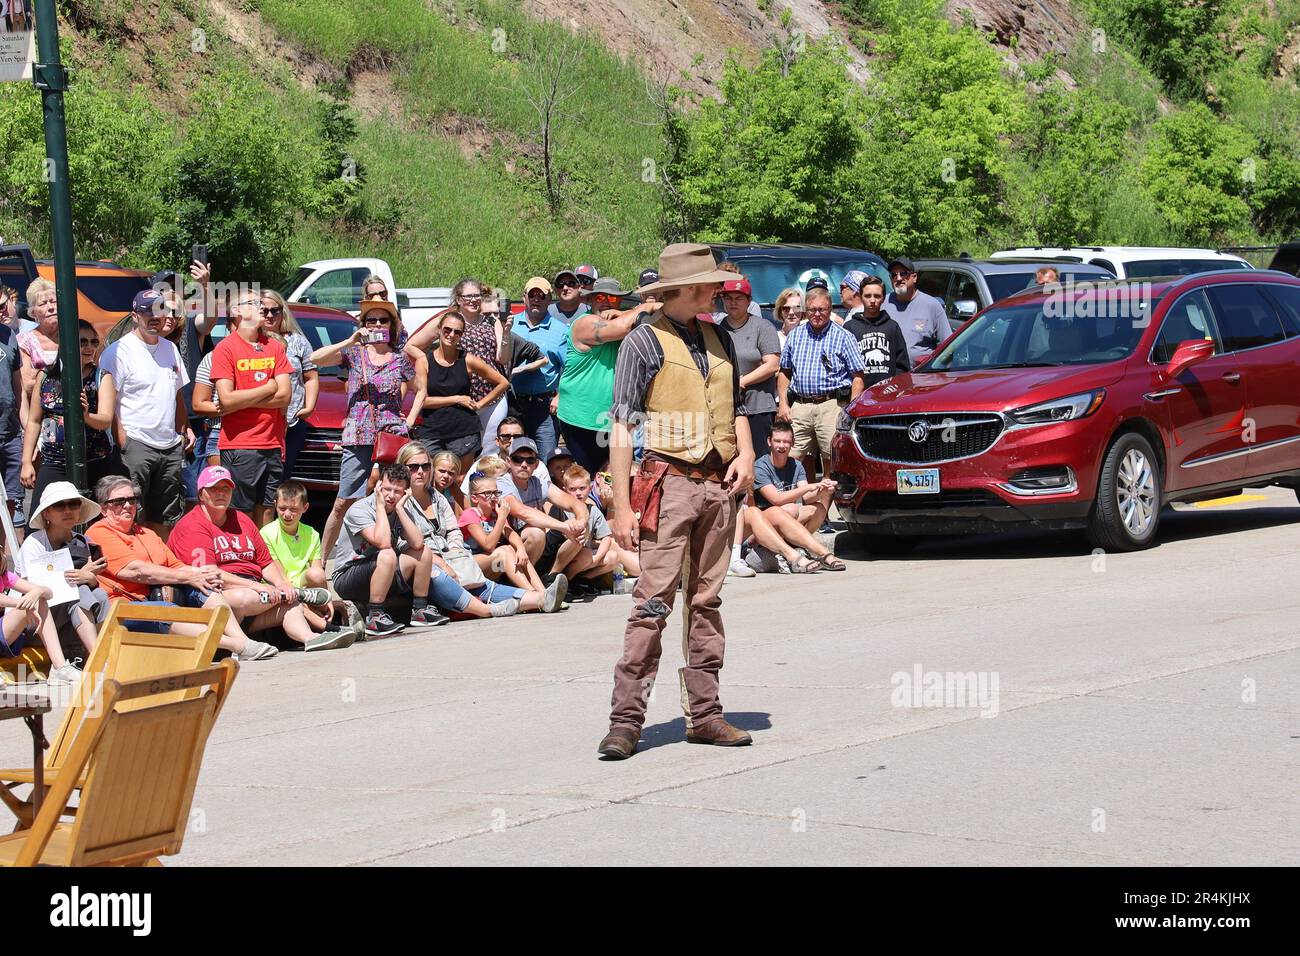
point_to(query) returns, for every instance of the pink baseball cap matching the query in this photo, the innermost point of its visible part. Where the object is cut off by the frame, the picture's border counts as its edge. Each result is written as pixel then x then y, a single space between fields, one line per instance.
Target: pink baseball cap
pixel 214 474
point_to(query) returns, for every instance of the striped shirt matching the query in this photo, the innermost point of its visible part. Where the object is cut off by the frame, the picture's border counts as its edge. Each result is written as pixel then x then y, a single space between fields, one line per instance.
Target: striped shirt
pixel 640 358
pixel 820 362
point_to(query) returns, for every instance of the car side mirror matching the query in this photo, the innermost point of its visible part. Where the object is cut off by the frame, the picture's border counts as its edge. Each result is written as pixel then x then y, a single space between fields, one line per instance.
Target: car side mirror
pixel 1189 353
pixel 965 309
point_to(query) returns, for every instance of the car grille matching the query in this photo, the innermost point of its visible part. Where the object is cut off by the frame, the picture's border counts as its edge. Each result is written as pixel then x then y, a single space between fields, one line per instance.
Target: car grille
pixel 320 457
pixel 944 501
pixel 949 436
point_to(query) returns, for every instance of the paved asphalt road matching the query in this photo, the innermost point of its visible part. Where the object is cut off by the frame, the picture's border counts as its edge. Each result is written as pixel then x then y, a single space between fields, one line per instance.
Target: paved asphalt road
pixel 1126 709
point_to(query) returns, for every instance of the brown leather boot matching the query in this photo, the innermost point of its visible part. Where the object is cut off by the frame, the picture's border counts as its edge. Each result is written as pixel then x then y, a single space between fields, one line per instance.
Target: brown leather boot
pixel 719 733
pixel 620 743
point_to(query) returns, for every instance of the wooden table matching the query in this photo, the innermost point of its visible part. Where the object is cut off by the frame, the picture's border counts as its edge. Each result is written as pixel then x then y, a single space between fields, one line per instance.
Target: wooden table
pixel 31 702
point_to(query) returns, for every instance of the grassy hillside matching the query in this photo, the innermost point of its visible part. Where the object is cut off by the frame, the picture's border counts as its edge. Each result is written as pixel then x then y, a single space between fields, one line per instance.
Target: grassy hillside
pixel 287 130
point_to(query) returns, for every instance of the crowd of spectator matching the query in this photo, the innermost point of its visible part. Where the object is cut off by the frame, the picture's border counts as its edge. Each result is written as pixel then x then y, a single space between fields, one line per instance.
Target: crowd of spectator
pixel 474 450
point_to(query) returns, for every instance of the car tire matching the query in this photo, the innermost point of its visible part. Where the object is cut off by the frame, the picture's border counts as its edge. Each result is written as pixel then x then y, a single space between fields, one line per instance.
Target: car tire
pixel 1126 512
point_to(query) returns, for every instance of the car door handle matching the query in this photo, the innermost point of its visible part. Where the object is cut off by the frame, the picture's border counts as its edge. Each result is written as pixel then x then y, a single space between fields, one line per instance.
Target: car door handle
pixel 1232 377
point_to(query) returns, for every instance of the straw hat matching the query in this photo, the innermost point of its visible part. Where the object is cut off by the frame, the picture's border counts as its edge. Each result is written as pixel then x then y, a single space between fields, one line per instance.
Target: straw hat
pixel 57 491
pixel 687 263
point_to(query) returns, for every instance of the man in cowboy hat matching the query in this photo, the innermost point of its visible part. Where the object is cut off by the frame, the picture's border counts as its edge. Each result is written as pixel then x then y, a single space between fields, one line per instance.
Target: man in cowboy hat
pixel 680 375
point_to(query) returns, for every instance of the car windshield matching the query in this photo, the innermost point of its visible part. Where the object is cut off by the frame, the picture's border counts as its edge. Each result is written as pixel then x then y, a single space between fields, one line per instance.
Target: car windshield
pixel 771 275
pixel 319 332
pixel 294 281
pixel 1080 330
pixel 1148 268
pixel 1003 284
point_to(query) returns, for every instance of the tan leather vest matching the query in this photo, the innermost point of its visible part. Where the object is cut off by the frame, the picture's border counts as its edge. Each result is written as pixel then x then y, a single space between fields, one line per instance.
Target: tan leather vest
pixel 689 415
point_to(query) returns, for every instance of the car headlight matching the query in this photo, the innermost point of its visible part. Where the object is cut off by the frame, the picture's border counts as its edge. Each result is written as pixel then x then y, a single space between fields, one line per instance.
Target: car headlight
pixel 1059 409
pixel 844 424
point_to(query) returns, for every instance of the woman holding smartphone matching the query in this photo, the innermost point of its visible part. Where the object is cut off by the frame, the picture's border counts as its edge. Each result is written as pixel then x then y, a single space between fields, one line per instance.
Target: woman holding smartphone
pixel 379 377
pixel 451 419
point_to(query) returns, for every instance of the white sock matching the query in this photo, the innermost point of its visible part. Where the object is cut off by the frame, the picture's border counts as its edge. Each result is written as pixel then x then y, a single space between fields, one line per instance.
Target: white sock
pixel 735 553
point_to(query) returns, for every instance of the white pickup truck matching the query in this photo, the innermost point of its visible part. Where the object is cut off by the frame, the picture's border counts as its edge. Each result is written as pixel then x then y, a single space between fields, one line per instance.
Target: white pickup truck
pixel 336 284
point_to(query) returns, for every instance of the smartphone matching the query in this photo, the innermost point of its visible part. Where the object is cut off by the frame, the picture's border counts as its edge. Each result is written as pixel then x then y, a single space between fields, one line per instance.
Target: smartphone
pixel 199 253
pixel 376 335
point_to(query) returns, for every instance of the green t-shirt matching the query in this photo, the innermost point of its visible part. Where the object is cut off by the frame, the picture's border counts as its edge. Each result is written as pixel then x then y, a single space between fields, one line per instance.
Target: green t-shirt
pixel 587 386
pixel 294 552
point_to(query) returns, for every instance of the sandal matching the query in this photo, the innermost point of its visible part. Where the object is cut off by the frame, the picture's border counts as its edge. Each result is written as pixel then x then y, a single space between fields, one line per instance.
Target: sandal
pixel 828 562
pixel 805 565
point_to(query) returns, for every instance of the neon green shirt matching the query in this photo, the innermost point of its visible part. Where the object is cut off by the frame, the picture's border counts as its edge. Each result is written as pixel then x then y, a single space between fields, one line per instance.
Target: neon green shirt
pixel 294 552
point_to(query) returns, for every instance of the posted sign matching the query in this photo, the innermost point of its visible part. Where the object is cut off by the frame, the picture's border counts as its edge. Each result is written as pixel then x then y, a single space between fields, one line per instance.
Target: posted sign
pixel 17 39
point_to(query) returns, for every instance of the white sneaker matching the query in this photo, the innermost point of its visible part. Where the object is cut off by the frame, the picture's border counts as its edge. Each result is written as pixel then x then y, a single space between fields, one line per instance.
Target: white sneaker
pixel 67 674
pixel 256 651
pixel 740 569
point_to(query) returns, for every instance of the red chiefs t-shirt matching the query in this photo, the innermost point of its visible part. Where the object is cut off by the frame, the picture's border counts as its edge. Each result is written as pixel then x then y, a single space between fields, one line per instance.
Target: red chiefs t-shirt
pixel 248 365
pixel 235 546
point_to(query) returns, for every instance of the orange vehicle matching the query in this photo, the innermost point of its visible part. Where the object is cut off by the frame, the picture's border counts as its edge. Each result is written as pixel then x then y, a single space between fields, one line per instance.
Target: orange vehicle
pixel 105 290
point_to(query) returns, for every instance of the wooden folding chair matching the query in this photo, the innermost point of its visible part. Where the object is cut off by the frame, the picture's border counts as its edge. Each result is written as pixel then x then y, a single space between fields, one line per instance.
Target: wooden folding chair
pixel 139 750
pixel 123 655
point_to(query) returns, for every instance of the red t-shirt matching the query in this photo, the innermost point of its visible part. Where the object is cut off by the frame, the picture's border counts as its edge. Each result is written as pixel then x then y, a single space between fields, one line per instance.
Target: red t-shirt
pixel 249 365
pixel 236 546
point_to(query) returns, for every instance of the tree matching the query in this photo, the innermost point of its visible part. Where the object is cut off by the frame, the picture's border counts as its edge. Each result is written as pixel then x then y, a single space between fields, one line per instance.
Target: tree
pixel 546 80
pixel 1198 171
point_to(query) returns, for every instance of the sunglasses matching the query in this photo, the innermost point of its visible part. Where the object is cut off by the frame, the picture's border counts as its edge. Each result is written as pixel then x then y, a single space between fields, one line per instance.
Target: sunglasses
pixel 566 284
pixel 538 294
pixel 375 320
pixel 470 298
pixel 819 311
pixel 491 313
pixel 126 502
pixel 453 331
pixel 524 459
pixel 585 282
pixel 418 466
pixel 485 494
pixel 65 505
pixel 509 437
pixel 899 276
pixel 277 310
pixel 382 294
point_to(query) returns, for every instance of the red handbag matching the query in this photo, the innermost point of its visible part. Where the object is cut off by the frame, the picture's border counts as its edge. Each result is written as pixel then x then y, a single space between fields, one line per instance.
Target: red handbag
pixel 387 444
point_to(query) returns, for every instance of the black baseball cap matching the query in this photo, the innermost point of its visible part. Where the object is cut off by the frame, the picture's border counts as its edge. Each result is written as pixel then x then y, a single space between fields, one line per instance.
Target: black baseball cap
pixel 817 282
pixel 648 277
pixel 903 261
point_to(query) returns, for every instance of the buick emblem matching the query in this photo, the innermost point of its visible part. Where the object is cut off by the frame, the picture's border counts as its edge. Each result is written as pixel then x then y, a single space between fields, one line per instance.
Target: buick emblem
pixel 918 431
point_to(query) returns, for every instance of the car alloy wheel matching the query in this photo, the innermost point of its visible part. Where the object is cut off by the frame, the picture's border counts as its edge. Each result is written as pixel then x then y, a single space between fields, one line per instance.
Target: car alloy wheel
pixel 1135 492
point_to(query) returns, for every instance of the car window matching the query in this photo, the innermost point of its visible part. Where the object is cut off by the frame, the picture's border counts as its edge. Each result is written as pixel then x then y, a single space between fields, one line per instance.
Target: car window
pixel 337 289
pixel 1190 318
pixel 1146 268
pixel 1246 318
pixel 1286 298
pixel 112 293
pixel 933 282
pixel 1107 265
pixel 13 273
pixel 770 275
pixel 964 287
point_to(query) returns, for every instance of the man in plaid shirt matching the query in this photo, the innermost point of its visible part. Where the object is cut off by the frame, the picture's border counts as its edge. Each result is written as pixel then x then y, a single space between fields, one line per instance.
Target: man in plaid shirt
pixel 821 372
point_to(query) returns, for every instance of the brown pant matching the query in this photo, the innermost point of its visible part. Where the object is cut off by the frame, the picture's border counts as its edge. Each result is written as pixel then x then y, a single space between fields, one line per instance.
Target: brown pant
pixel 694 515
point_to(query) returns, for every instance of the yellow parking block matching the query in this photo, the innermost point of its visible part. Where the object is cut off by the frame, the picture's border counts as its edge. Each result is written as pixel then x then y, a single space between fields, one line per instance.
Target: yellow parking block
pixel 1232 500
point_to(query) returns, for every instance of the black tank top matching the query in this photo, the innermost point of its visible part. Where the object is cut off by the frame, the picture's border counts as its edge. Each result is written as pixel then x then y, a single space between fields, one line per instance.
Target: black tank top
pixel 451 421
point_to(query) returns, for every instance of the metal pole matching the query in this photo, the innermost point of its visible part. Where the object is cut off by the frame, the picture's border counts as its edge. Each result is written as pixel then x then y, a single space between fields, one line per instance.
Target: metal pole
pixel 52 79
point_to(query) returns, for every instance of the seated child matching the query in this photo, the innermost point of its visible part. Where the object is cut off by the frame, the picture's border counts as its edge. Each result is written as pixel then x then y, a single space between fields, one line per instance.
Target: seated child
pixel 601 555
pixel 27 614
pixel 496 546
pixel 297 547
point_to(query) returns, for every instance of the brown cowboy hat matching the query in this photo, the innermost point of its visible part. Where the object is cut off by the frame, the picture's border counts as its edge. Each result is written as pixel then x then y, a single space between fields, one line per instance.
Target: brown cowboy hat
pixel 378 305
pixel 686 263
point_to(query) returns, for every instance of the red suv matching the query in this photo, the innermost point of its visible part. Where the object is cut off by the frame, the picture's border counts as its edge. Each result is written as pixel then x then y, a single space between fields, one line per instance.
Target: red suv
pixel 1088 407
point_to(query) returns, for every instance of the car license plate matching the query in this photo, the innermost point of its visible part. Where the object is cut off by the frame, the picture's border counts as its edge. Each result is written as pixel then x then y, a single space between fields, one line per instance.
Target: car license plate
pixel 918 481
